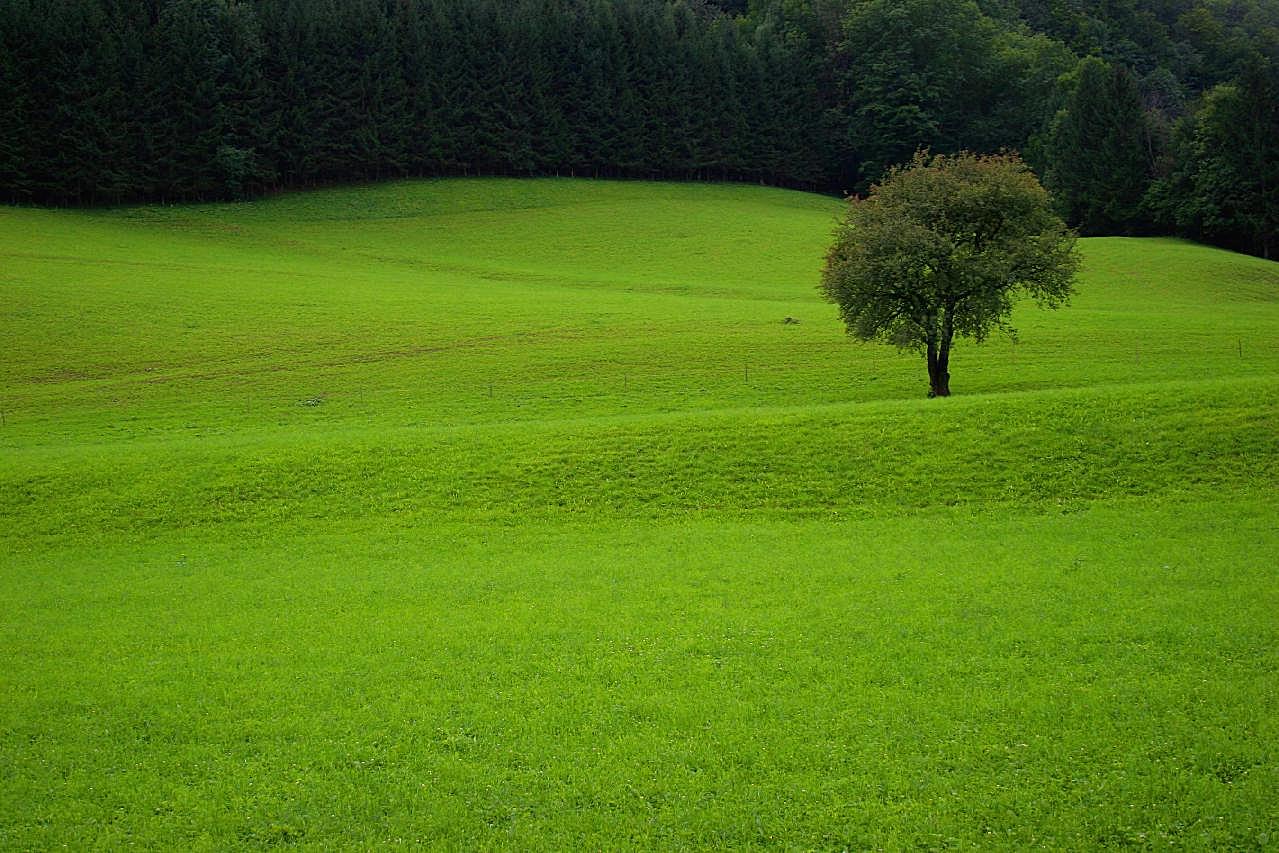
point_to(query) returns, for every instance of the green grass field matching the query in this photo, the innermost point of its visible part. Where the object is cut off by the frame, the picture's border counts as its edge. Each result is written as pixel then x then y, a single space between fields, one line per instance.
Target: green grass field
pixel 512 514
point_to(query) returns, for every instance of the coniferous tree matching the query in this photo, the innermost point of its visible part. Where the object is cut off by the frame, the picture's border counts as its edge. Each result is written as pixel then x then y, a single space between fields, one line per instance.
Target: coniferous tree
pixel 110 100
pixel 451 146
pixel 291 132
pixel 203 95
pixel 681 120
pixel 373 89
pixel 337 113
pixel 13 119
pixel 73 81
pixel 1098 162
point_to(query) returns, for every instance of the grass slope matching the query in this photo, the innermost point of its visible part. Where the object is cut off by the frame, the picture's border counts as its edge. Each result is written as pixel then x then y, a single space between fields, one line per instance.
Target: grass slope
pixel 511 514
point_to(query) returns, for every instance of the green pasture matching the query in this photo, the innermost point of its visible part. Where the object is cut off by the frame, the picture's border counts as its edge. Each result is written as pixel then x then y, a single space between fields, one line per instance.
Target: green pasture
pixel 555 514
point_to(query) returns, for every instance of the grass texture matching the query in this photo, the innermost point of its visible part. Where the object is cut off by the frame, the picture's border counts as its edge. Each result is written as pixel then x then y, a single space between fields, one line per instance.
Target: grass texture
pixel 517 515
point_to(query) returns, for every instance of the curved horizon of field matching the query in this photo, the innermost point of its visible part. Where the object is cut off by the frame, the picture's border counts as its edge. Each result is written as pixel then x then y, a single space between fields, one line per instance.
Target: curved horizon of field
pixel 561 513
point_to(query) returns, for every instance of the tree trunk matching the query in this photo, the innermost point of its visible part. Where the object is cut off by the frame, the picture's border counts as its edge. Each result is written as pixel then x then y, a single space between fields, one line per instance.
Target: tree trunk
pixel 939 376
pixel 939 359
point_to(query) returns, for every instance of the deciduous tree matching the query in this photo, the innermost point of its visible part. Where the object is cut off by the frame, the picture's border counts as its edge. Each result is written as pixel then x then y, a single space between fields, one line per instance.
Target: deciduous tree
pixel 941 247
pixel 1236 161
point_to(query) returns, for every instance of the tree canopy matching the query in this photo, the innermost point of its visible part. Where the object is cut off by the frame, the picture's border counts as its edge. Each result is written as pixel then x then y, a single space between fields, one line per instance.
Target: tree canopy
pixel 1223 182
pixel 1119 103
pixel 1099 154
pixel 942 247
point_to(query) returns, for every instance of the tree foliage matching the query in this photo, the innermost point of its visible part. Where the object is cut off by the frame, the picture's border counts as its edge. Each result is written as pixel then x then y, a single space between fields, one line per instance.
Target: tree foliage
pixel 938 74
pixel 942 247
pixel 1099 158
pixel 106 101
pixel 112 100
pixel 1223 183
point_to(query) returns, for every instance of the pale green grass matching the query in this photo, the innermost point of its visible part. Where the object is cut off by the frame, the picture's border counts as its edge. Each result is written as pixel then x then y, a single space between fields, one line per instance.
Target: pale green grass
pixel 510 514
pixel 231 319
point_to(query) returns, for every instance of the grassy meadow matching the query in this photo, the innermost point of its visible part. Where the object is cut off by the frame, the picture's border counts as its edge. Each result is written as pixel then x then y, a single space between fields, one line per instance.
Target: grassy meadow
pixel 516 515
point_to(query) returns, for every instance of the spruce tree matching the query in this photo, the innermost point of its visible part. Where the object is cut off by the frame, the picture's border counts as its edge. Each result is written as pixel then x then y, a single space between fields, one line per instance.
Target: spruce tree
pixel 14 183
pixel 1098 161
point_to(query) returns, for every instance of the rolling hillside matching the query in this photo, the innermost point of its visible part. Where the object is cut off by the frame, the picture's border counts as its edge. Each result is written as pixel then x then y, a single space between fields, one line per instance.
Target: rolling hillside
pixel 553 513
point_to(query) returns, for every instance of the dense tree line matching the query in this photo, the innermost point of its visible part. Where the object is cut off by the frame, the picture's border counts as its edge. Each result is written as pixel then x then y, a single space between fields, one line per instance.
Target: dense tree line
pixel 1143 116
pixel 113 100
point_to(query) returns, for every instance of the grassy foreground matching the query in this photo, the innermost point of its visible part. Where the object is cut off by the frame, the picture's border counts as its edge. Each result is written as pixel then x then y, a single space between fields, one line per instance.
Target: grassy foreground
pixel 512 514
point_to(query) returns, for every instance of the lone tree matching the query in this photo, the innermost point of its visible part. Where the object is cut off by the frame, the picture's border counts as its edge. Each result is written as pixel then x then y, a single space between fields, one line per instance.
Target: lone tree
pixel 942 246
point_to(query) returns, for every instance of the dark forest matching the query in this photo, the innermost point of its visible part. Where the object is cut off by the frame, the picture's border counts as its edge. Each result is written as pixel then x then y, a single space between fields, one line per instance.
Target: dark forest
pixel 1142 116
